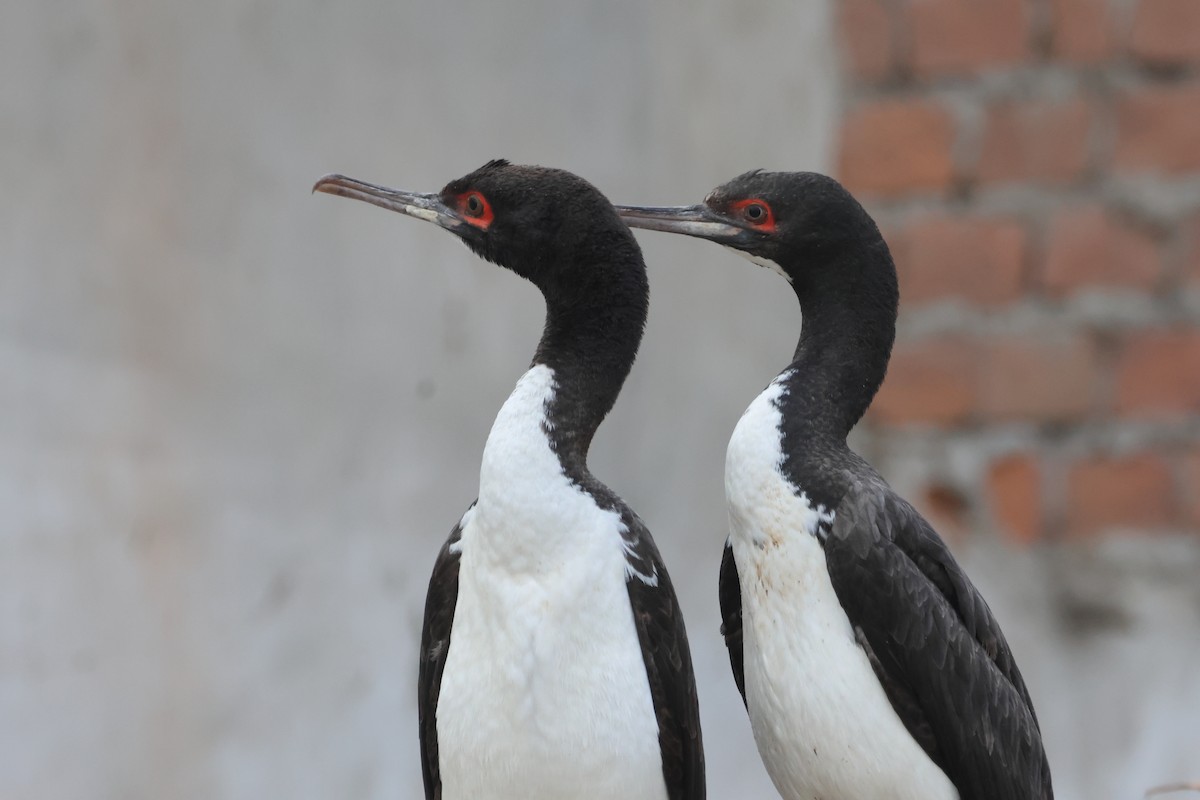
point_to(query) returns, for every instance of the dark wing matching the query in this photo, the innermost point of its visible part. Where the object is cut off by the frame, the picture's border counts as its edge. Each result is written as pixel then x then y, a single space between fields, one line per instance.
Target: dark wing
pixel 440 601
pixel 936 648
pixel 668 662
pixel 729 590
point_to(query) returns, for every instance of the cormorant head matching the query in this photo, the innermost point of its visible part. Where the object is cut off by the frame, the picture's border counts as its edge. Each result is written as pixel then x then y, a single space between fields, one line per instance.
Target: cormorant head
pixel 803 225
pixel 547 225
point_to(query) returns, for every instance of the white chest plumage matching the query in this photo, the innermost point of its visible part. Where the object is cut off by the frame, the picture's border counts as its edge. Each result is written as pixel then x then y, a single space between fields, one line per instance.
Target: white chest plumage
pixel 544 693
pixel 822 722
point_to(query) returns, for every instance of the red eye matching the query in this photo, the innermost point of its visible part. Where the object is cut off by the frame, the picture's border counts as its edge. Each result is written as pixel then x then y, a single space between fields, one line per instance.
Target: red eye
pixel 757 212
pixel 475 207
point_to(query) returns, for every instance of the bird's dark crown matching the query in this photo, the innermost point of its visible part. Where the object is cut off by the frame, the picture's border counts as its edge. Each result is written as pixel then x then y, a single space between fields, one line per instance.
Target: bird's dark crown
pixel 545 224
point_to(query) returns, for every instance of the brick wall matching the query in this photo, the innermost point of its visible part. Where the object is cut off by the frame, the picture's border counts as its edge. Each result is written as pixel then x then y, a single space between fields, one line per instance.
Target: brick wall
pixel 1035 167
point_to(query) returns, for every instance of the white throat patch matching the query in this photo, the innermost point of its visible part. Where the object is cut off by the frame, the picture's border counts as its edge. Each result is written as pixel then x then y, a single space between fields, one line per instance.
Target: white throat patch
pixel 760 261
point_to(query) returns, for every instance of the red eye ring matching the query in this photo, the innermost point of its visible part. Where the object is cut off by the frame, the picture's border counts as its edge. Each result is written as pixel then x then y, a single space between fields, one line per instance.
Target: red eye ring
pixel 755 211
pixel 476 209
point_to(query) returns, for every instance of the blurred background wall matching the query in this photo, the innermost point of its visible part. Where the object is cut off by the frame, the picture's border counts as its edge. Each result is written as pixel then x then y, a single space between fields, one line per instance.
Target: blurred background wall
pixel 1035 167
pixel 237 421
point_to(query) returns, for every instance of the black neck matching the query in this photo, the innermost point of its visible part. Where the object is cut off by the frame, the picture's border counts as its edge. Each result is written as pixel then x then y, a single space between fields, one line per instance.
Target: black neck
pixel 590 340
pixel 845 341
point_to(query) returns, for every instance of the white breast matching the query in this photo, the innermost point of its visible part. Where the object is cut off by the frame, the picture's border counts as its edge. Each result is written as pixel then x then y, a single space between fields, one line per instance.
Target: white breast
pixel 544 693
pixel 822 723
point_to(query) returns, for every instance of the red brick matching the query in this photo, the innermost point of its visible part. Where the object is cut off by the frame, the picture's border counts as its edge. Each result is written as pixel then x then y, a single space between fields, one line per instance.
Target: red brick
pixel 946 508
pixel 1038 141
pixel 1037 378
pixel 928 382
pixel 865 31
pixel 1158 372
pixel 1190 486
pixel 955 37
pixel 1193 244
pixel 1090 246
pixel 897 146
pixel 1014 491
pixel 1158 129
pixel 973 258
pixel 1122 492
pixel 1082 31
pixel 1166 32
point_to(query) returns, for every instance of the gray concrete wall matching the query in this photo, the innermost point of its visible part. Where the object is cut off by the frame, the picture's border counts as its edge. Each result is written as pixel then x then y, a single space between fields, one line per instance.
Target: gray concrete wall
pixel 238 420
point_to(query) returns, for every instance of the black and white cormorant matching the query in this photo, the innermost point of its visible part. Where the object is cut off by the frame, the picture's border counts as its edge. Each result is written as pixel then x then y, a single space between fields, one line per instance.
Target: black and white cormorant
pixel 869 664
pixel 554 661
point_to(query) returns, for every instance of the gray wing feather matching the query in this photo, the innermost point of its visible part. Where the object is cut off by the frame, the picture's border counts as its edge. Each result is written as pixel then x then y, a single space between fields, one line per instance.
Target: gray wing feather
pixel 729 591
pixel 668 661
pixel 440 602
pixel 936 647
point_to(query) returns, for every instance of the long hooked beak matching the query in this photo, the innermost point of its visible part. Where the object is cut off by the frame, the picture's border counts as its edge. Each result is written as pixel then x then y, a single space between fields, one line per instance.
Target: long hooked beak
pixel 428 207
pixel 699 221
